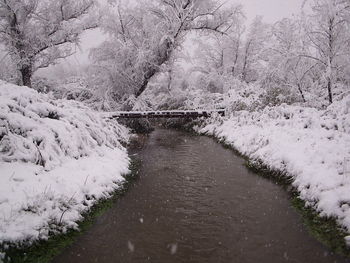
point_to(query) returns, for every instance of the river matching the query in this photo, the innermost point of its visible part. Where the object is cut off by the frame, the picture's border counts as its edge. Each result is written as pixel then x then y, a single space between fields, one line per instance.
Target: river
pixel 195 201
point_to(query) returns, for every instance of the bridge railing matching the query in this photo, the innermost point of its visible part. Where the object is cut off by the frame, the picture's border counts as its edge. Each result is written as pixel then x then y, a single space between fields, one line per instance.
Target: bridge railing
pixel 164 114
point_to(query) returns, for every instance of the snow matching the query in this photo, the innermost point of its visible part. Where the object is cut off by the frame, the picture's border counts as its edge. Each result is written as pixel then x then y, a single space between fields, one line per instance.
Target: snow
pixel 57 158
pixel 308 144
pixel 131 246
pixel 173 249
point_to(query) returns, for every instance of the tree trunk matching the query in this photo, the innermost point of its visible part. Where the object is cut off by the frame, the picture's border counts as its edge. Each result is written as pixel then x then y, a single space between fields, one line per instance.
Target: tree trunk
pixel 144 84
pixel 142 88
pixel 245 64
pixel 301 93
pixel 329 87
pixel 244 70
pixel 234 64
pixel 331 38
pixel 163 57
pixel 236 58
pixel 26 72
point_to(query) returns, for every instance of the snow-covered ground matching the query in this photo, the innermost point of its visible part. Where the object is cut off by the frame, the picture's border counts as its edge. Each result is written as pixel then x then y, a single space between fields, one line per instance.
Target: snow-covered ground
pixel 313 146
pixel 57 157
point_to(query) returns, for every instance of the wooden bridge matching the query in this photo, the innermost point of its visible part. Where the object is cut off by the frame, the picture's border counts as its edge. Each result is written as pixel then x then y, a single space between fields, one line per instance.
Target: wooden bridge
pixel 192 114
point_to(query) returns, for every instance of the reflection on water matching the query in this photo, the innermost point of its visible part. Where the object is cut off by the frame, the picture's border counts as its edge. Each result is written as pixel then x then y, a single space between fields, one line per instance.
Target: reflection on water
pixel 196 202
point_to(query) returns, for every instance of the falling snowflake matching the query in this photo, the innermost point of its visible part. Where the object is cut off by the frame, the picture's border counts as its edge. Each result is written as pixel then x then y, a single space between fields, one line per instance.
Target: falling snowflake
pixel 131 247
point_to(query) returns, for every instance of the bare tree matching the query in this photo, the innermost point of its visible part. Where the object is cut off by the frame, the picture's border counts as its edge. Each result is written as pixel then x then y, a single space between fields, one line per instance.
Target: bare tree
pixel 36 33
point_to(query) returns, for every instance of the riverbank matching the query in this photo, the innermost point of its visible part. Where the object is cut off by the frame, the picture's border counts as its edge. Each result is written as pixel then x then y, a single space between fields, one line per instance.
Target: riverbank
pixel 58 158
pixel 325 229
pixel 307 148
pixel 43 251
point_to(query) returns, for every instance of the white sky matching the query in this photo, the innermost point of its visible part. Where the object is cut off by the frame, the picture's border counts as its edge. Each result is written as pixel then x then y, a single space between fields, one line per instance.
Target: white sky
pixel 271 10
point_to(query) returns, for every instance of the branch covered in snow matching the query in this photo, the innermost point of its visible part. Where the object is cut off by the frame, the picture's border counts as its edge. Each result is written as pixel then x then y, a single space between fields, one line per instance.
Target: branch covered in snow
pixel 38 33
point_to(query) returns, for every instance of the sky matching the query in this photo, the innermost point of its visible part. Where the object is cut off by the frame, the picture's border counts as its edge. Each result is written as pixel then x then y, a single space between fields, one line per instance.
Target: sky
pixel 271 10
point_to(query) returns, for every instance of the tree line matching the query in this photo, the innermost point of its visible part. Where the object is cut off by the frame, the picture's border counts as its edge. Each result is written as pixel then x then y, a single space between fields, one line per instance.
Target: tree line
pixel 307 54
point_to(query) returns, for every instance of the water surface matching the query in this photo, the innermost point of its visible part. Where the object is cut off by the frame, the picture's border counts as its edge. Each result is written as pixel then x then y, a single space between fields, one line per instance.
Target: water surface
pixel 195 201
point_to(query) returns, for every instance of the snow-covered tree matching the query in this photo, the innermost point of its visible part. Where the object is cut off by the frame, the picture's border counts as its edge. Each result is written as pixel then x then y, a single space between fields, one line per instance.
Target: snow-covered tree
pixel 328 34
pixel 222 53
pixel 286 69
pixel 234 43
pixel 254 47
pixel 36 33
pixel 144 37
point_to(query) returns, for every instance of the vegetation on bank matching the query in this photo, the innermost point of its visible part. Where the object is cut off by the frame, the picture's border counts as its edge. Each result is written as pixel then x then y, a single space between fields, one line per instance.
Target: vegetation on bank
pixel 44 251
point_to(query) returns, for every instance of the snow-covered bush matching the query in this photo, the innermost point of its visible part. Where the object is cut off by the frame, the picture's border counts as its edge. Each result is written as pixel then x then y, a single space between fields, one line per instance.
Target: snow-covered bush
pixel 79 87
pixel 242 96
pixel 75 88
pixel 8 70
pixel 277 93
pixel 136 104
pixel 211 82
pixel 45 85
pixel 36 129
pixel 57 157
pixel 190 99
pixel 238 95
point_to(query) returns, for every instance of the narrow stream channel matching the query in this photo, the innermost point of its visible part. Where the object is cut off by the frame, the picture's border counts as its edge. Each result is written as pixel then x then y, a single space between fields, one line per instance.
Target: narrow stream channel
pixel 195 201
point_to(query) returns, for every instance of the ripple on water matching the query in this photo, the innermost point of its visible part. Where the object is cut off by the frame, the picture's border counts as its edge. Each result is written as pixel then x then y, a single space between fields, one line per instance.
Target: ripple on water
pixel 198 203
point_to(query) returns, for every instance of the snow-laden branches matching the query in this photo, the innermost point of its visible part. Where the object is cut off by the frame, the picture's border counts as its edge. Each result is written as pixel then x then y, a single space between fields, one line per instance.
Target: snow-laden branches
pixel 308 55
pixel 38 33
pixel 144 37
pixel 327 34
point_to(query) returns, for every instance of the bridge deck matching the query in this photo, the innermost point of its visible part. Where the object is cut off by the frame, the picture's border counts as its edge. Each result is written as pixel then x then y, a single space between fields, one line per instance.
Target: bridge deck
pixel 164 114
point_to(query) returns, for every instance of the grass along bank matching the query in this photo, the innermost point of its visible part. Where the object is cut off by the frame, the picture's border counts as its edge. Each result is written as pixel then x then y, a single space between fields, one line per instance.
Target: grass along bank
pixel 44 251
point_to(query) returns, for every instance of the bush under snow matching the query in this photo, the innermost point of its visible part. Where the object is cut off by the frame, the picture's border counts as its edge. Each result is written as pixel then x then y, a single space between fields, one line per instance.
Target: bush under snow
pixel 57 158
pixel 313 146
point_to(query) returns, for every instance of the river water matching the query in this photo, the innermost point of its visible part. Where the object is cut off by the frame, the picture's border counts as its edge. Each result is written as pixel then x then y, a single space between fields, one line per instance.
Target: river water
pixel 195 201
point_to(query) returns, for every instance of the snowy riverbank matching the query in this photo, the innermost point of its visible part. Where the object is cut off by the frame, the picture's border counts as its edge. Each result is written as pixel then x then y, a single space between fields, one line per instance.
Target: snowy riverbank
pixel 313 146
pixel 57 158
